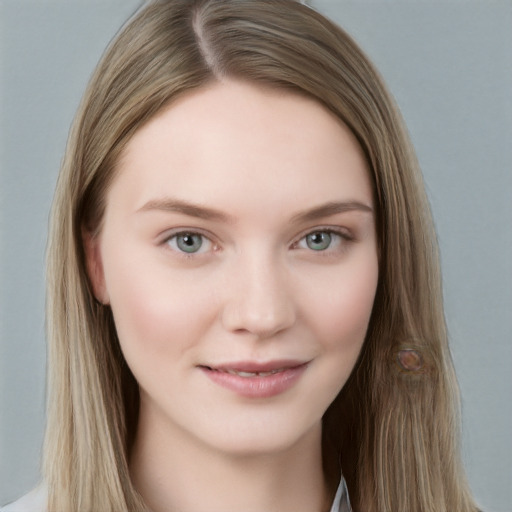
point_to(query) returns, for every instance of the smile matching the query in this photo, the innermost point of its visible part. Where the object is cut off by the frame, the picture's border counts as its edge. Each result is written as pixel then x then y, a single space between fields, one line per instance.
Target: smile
pixel 254 380
pixel 245 374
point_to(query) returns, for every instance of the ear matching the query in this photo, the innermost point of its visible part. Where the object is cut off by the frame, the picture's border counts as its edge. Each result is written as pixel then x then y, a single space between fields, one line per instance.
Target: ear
pixel 94 266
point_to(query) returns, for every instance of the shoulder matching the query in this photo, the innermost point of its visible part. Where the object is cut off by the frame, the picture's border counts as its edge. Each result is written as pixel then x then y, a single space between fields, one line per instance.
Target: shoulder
pixel 34 501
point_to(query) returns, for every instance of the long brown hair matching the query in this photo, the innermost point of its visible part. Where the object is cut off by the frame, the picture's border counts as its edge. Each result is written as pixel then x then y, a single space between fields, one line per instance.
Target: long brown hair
pixel 396 430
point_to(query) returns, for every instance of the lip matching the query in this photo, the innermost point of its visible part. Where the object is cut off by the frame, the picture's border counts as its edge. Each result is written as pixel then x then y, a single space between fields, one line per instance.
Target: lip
pixel 270 378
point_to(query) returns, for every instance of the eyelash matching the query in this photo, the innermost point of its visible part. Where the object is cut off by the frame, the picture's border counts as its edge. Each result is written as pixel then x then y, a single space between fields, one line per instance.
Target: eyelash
pixel 184 232
pixel 343 235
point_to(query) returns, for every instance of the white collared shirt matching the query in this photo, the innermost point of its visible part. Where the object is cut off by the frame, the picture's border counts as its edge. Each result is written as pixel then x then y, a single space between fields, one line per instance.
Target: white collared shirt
pixel 341 501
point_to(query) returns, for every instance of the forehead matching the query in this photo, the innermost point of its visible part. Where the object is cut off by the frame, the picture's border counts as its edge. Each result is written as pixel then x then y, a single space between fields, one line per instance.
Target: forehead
pixel 234 140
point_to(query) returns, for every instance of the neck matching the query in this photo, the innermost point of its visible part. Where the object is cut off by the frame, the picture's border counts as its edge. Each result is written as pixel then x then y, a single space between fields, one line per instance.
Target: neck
pixel 173 471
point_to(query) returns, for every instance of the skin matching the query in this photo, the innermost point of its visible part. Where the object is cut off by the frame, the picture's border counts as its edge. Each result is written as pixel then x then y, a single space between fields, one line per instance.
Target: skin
pixel 256 290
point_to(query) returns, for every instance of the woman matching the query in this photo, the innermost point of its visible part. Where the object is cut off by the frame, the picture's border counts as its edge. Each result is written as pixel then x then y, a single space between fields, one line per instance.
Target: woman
pixel 244 299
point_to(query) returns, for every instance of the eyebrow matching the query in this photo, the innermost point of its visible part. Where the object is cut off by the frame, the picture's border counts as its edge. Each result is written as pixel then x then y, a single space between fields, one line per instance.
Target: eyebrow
pixel 203 212
pixel 331 208
pixel 186 208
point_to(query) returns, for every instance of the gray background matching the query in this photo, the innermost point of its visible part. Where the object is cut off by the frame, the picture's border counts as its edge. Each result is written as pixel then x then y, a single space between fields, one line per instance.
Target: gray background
pixel 449 64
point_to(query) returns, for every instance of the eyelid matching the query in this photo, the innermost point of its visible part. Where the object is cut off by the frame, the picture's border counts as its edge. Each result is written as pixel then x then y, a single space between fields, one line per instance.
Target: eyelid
pixel 344 233
pixel 172 233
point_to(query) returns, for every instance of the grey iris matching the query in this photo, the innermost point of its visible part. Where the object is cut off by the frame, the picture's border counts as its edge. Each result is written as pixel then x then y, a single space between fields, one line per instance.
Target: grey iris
pixel 189 242
pixel 319 241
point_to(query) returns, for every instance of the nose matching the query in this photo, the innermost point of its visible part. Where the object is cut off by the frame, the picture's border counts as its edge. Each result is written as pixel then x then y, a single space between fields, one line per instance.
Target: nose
pixel 257 298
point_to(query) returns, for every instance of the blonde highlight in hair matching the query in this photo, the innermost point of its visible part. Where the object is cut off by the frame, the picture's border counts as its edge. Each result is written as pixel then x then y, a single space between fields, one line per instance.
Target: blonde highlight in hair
pixel 396 430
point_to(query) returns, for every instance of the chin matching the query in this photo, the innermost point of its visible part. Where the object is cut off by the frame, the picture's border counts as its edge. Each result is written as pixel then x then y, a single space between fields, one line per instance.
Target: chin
pixel 265 440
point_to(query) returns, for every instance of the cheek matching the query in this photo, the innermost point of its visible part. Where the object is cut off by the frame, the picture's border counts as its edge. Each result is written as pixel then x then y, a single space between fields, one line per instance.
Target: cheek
pixel 341 310
pixel 156 313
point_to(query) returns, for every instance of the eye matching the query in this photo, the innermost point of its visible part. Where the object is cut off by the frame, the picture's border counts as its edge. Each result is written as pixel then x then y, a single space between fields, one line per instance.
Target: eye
pixel 189 242
pixel 321 240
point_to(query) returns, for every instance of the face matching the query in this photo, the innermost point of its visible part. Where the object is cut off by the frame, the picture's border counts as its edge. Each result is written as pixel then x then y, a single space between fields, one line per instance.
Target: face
pixel 238 254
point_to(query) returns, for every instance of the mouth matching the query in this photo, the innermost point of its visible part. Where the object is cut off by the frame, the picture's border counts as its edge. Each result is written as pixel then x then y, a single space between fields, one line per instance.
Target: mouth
pixel 256 380
pixel 256 369
pixel 245 374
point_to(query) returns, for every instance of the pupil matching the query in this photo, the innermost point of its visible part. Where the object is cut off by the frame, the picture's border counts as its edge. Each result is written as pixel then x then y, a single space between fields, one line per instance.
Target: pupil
pixel 189 243
pixel 319 241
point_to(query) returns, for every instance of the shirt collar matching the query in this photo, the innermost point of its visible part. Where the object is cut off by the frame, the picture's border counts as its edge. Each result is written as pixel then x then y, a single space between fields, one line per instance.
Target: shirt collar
pixel 341 501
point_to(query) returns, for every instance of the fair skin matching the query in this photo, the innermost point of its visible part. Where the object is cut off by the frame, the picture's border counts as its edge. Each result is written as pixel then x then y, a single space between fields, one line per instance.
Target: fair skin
pixel 238 254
